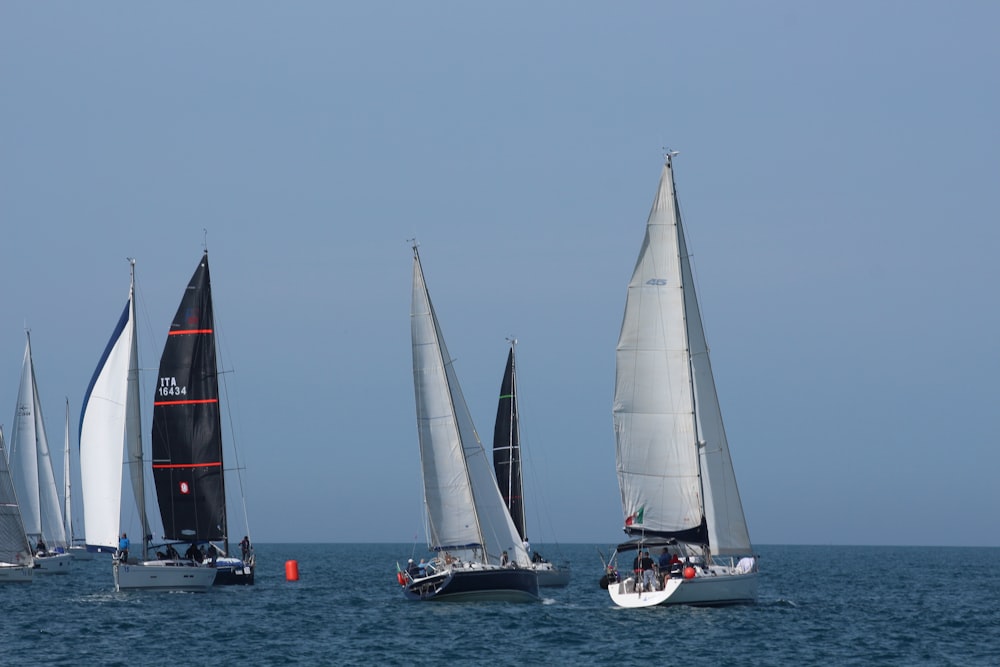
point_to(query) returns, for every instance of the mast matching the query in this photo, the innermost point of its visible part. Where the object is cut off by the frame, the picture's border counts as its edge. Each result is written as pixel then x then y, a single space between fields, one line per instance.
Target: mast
pixel 67 486
pixel 133 421
pixel 687 297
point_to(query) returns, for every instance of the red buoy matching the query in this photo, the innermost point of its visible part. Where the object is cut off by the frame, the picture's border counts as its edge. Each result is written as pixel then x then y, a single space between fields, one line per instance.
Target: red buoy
pixel 291 570
pixel 689 572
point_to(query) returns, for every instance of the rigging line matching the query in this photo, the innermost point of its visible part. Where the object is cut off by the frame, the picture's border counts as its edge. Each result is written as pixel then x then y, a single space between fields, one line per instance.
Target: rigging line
pixel 240 466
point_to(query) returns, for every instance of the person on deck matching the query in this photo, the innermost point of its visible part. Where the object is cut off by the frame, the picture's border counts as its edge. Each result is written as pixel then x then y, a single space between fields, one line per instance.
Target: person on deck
pixel 245 547
pixel 123 548
pixel 193 553
pixel 648 574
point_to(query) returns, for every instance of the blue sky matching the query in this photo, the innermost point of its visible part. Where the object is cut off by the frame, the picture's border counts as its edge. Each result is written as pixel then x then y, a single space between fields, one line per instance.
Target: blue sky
pixel 837 174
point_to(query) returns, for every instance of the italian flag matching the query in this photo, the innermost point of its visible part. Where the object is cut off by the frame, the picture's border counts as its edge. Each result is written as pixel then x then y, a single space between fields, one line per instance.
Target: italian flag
pixel 636 517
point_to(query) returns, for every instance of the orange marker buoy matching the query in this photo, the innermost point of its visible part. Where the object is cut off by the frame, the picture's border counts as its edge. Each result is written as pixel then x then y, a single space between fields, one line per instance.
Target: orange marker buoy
pixel 291 570
pixel 689 572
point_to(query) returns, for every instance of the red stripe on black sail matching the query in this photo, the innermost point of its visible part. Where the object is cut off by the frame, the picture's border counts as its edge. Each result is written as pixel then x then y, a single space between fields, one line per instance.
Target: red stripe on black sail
pixel 507 449
pixel 187 434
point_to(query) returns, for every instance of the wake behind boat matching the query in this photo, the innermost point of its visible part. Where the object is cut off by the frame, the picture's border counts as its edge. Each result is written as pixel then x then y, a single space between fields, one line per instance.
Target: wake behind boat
pixel 678 487
pixel 110 419
pixel 479 553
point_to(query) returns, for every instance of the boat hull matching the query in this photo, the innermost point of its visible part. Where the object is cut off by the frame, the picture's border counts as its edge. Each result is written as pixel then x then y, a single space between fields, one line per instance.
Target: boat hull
pixel 53 563
pixel 16 573
pixel 81 553
pixel 710 590
pixel 233 572
pixel 550 575
pixel 502 584
pixel 163 576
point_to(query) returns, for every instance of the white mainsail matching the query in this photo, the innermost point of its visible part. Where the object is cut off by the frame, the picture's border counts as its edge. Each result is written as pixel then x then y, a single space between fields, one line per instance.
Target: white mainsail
pixel 464 507
pixel 31 462
pixel 674 468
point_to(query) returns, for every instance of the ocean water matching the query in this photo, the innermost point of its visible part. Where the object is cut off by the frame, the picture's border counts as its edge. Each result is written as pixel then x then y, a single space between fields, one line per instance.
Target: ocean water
pixel 819 605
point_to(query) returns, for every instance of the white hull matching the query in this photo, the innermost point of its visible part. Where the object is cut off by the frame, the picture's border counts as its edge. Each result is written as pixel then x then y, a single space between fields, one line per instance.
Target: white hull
pixel 163 576
pixel 551 575
pixel 15 573
pixel 705 590
pixel 53 564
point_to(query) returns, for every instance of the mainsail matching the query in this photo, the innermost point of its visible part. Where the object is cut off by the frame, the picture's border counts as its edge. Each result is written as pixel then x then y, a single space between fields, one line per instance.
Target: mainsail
pixel 674 469
pixel 187 433
pixel 507 447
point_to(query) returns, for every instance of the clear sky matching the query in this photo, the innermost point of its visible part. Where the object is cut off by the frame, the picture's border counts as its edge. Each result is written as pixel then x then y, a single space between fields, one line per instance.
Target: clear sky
pixel 838 174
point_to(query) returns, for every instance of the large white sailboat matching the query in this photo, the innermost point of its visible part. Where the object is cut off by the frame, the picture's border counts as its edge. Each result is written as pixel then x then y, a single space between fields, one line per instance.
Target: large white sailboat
pixel 479 553
pixel 109 418
pixel 16 563
pixel 678 489
pixel 34 479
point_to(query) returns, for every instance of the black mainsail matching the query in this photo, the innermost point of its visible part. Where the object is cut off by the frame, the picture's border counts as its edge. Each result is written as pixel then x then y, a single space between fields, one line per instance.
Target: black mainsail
pixel 507 447
pixel 187 433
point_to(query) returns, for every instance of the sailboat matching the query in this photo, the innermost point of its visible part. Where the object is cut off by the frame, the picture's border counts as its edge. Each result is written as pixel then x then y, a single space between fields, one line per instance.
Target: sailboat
pixel 77 545
pixel 507 466
pixel 34 480
pixel 187 436
pixel 16 563
pixel 678 488
pixel 110 418
pixel 479 553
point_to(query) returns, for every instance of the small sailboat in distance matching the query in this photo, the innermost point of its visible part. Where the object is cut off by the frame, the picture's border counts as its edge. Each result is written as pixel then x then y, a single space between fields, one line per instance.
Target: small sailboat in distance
pixel 34 478
pixel 479 553
pixel 678 488
pixel 508 469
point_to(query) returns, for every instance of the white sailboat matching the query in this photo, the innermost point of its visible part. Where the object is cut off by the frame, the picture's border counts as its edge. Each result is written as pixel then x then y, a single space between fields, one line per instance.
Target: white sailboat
pixel 479 553
pixel 109 418
pixel 678 488
pixel 16 563
pixel 507 465
pixel 34 480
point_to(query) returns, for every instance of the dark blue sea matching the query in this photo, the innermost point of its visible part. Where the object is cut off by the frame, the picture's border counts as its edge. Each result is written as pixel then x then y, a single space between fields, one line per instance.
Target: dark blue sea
pixel 819 605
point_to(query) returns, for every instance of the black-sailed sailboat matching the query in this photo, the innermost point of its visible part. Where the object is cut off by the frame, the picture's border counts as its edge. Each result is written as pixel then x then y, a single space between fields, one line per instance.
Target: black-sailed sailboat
pixel 187 438
pixel 507 467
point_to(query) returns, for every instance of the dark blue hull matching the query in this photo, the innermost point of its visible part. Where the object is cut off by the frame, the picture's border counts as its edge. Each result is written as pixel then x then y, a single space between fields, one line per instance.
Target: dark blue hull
pixel 233 573
pixel 512 585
